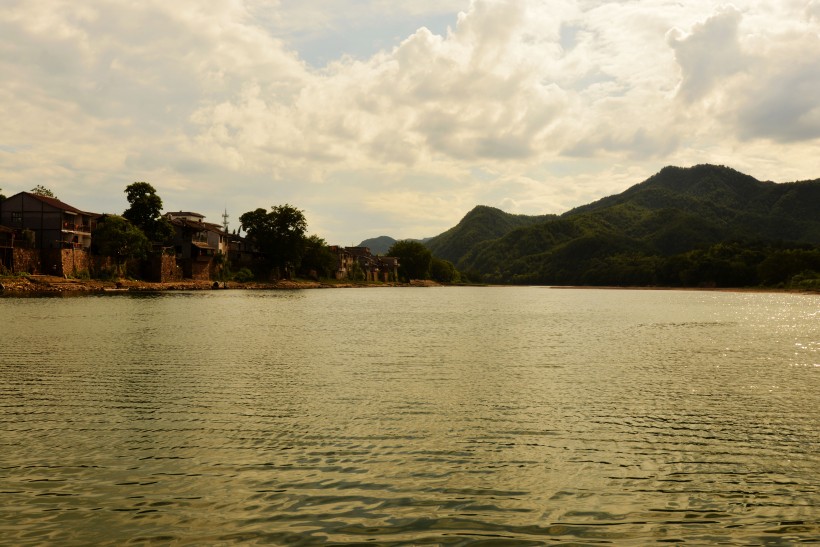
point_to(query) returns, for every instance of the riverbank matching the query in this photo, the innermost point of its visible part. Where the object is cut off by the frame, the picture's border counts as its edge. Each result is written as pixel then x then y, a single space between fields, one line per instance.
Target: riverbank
pixel 50 285
pixel 46 284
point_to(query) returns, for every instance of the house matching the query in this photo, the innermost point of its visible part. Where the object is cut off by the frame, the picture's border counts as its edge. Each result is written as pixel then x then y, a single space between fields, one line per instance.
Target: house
pixel 197 243
pixel 389 266
pixel 56 225
pixel 344 262
pixel 6 249
pixel 359 263
pixel 241 251
pixel 59 231
pixel 213 235
pixel 6 237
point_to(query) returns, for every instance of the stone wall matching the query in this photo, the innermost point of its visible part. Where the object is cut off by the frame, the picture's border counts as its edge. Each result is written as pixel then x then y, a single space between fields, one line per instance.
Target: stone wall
pixel 100 266
pixel 200 271
pixel 75 263
pixel 162 268
pixel 68 262
pixel 195 269
pixel 27 260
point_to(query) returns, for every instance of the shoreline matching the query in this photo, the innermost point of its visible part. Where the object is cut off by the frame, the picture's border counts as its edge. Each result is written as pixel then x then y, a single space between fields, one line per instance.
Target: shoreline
pixel 37 285
pixel 46 285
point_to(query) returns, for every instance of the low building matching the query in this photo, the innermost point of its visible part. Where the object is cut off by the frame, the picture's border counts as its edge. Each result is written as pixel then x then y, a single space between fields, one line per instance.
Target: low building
pixel 389 267
pixel 358 263
pixel 59 231
pixel 56 225
pixel 197 244
pixel 6 249
pixel 344 262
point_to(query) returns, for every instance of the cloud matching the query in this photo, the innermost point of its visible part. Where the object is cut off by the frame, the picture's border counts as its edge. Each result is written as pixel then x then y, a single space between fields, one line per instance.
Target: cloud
pixel 758 82
pixel 813 10
pixel 370 112
pixel 476 93
pixel 783 104
pixel 709 54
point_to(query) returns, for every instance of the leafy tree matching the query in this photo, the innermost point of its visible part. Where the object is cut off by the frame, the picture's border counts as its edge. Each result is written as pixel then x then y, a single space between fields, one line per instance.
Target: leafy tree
pixel 317 257
pixel 116 237
pixel 223 266
pixel 145 212
pixel 278 234
pixel 41 190
pixel 780 266
pixel 414 259
pixel 443 271
pixel 2 197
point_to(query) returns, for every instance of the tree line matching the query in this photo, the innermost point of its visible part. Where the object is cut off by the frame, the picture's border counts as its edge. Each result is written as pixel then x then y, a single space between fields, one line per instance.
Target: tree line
pixel 726 264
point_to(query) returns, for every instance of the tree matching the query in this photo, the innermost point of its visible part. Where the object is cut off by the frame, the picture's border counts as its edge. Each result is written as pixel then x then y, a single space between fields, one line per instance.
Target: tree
pixel 781 265
pixel 278 234
pixel 116 237
pixel 414 259
pixel 145 212
pixel 317 257
pixel 223 266
pixel 443 271
pixel 2 197
pixel 41 190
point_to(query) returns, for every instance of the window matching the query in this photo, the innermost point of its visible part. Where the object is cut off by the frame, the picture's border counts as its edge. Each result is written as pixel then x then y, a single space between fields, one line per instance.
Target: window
pixel 16 218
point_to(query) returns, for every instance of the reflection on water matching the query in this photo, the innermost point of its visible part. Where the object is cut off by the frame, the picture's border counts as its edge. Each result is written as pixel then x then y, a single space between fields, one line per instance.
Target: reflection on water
pixel 492 416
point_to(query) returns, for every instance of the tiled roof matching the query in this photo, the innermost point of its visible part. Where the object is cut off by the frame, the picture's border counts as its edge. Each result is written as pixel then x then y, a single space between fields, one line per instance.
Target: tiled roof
pixel 183 214
pixel 54 202
pixel 197 225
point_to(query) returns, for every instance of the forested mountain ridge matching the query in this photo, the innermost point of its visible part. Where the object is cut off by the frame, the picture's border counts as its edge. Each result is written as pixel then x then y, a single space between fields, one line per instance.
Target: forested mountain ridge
pixel 707 225
pixel 714 189
pixel 481 224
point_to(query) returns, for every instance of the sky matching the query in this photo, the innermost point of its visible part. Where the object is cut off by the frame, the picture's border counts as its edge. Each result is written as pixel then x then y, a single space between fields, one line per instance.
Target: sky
pixel 396 117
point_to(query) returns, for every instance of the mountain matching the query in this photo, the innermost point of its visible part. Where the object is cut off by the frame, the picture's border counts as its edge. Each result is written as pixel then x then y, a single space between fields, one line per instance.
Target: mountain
pixel 705 224
pixel 479 225
pixel 378 245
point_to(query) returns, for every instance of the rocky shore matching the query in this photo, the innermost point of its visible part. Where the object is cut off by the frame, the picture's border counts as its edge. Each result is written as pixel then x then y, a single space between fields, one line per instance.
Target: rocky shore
pixel 46 284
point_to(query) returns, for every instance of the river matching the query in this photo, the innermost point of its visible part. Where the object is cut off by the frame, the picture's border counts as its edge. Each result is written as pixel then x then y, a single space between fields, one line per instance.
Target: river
pixel 408 416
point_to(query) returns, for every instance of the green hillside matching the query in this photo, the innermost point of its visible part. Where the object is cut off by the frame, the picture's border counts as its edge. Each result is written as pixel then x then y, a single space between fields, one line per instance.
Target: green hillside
pixel 481 224
pixel 705 225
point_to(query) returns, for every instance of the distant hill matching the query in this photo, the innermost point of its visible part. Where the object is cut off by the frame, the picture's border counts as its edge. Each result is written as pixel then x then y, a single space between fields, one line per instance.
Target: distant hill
pixel 479 225
pixel 378 245
pixel 706 224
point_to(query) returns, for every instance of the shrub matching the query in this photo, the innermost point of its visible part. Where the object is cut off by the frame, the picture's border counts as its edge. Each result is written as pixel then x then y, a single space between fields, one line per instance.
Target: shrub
pixel 243 275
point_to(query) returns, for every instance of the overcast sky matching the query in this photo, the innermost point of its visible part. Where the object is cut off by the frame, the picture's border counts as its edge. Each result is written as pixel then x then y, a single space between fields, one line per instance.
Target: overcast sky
pixel 393 117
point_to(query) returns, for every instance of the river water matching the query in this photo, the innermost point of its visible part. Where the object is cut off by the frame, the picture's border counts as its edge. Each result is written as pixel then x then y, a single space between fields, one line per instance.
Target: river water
pixel 411 416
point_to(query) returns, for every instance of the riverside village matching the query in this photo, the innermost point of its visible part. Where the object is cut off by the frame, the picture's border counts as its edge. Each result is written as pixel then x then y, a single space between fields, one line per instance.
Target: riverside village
pixel 42 236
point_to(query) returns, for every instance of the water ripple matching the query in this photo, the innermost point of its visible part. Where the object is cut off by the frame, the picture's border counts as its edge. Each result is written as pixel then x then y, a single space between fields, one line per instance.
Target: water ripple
pixel 458 416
